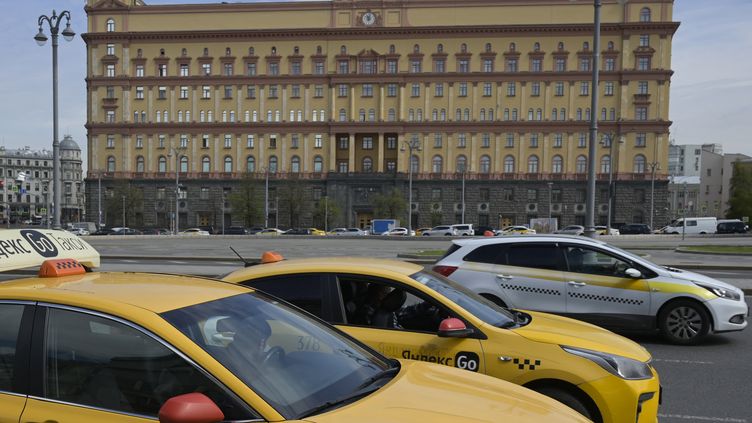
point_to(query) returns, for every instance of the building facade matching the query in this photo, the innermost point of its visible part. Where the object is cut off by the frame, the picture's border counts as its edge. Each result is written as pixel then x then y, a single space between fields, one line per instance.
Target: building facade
pixel 482 107
pixel 715 182
pixel 26 184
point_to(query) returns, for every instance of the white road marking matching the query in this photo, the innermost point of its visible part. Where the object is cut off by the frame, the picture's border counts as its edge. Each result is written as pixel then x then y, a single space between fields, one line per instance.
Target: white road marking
pixel 130 261
pixel 665 360
pixel 178 262
pixel 701 418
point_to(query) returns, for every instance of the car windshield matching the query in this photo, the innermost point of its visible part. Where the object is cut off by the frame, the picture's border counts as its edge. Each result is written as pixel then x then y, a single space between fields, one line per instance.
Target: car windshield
pixel 296 363
pixel 476 305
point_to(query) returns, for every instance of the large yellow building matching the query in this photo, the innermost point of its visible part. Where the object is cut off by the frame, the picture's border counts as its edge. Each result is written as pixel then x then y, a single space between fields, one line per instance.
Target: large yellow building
pixel 330 98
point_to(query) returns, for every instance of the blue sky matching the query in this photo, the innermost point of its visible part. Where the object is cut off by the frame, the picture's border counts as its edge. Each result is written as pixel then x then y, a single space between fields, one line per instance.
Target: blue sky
pixel 711 90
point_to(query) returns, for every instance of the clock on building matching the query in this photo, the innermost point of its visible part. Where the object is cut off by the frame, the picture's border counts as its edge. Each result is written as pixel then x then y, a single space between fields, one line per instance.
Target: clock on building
pixel 368 18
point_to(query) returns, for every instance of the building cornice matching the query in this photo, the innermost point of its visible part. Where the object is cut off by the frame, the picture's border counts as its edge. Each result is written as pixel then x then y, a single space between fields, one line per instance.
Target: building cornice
pixel 383 32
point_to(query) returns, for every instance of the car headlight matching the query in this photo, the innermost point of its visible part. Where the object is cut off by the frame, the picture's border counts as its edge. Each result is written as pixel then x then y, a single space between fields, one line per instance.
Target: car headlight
pixel 623 367
pixel 722 292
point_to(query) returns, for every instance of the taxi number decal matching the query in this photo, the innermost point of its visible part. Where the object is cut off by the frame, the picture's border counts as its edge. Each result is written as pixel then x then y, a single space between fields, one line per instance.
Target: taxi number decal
pixel 308 343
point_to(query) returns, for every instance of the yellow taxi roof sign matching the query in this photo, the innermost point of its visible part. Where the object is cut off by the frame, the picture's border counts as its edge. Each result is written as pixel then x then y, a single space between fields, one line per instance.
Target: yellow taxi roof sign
pixel 21 248
pixel 271 257
pixel 60 267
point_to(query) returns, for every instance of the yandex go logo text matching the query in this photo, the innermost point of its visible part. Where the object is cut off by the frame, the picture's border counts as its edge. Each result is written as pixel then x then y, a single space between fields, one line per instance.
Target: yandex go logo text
pixel 467 360
pixel 40 243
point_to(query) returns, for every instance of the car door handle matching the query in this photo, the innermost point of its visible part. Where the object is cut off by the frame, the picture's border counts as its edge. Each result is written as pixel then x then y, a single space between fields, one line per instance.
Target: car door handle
pixel 505 277
pixel 577 284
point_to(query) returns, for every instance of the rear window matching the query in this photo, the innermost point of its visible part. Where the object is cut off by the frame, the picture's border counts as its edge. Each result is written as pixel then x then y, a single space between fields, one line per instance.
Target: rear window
pixel 452 248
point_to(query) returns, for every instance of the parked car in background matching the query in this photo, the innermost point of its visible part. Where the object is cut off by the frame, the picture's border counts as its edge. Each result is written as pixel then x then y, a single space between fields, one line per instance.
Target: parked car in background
pixel 635 229
pixel 269 232
pixel 516 230
pixel 195 231
pixel 588 279
pixel 464 229
pixel 481 230
pixel 304 231
pixel 124 231
pixel 78 231
pixel 208 228
pixel 605 230
pixel 731 227
pixel 694 225
pixel 155 231
pixel 338 231
pixel 399 232
pixel 421 231
pixel 102 231
pixel 236 230
pixel 441 230
pixel 571 230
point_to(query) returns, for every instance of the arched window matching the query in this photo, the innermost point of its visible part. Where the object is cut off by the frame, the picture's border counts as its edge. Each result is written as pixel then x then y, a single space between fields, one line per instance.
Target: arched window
pixel 251 51
pixel 605 164
pixel 342 115
pixel 458 115
pixel 539 114
pixel 560 46
pixel 183 164
pixel 532 164
pixel 416 48
pixel 371 115
pixel 610 46
pixel 553 114
pixel 536 46
pixel 250 164
pixel 467 114
pixel 162 164
pixel 295 164
pixel 273 164
pixel 579 114
pixel 639 164
pixel 140 164
pixel 228 51
pixel 184 52
pixel 509 164
pixel 440 48
pixel 391 115
pixel 585 45
pixel 111 25
pixel 228 164
pixel 437 164
pixel 419 115
pixel 410 115
pixel 205 164
pixel 367 164
pixel 463 48
pixel 318 164
pixel 392 49
pixel 485 164
pixel 512 46
pixel 490 114
pixel 482 114
pixel 645 14
pixel 315 117
pixel 414 164
pixel 296 50
pixel 557 164
pixel 442 116
pixel 461 163
pixel 274 51
pixel 362 115
pixel 343 49
pixel 488 47
pixel 435 115
pixel 563 114
pixel 581 164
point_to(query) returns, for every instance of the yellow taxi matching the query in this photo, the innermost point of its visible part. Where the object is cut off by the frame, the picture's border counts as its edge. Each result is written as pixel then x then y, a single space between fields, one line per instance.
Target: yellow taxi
pixel 419 231
pixel 406 312
pixel 87 347
pixel 316 231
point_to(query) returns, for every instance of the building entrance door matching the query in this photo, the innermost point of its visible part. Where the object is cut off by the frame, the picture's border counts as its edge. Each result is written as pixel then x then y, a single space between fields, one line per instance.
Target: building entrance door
pixel 364 219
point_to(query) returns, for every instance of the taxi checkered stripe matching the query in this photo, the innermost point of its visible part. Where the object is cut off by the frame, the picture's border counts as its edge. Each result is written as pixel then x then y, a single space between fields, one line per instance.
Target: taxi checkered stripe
pixel 618 300
pixel 531 289
pixel 71 264
pixel 530 364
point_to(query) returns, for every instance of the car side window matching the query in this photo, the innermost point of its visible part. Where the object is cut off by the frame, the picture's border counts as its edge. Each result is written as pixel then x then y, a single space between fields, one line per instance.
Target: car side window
pixel 490 254
pixel 304 291
pixel 10 316
pixel 593 262
pixel 538 256
pixel 375 304
pixel 98 362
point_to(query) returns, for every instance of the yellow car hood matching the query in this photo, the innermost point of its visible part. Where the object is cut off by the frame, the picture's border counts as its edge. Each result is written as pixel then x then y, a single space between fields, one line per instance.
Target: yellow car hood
pixel 425 392
pixel 560 330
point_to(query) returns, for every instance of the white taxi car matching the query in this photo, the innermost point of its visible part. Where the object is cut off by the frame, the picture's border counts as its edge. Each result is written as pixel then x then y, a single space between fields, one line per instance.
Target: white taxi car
pixel 596 282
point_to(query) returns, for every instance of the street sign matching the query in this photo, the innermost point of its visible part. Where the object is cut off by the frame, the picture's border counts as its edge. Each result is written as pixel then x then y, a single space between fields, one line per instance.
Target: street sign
pixel 43 210
pixel 745 219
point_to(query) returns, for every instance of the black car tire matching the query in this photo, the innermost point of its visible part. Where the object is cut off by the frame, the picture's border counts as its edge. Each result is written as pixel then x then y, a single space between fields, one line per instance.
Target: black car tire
pixel 567 399
pixel 684 322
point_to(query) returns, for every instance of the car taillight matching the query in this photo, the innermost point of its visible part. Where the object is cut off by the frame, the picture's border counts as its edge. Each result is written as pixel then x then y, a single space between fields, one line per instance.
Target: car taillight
pixel 444 270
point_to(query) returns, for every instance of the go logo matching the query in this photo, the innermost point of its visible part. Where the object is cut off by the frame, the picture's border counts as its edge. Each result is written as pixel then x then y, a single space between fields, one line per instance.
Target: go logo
pixel 40 243
pixel 467 360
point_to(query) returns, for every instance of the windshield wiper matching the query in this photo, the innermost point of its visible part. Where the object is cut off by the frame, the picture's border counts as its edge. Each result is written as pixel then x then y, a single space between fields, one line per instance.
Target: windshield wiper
pixel 360 391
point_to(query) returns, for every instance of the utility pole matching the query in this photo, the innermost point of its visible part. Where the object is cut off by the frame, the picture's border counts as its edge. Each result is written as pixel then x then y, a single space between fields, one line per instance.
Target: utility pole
pixel 653 167
pixel 326 214
pixel 590 206
pixel 463 195
pixel 266 199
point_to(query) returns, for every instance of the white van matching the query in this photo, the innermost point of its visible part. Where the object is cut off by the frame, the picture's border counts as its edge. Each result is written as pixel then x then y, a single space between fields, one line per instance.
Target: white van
pixel 695 225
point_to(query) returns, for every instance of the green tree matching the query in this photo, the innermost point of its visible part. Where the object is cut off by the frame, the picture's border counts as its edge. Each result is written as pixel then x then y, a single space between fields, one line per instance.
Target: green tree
pixel 243 200
pixel 124 198
pixel 326 209
pixel 293 194
pixel 390 205
pixel 740 201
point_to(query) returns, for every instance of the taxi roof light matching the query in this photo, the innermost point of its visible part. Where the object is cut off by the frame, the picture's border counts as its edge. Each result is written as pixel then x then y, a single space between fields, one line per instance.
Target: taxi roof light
pixel 271 257
pixel 61 267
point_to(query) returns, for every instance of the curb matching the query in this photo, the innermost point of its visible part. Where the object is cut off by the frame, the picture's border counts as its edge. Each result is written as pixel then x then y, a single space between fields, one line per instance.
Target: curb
pixel 683 250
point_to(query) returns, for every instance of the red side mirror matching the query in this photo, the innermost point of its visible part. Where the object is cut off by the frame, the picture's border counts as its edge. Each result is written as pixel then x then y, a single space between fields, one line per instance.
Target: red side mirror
pixel 453 327
pixel 190 408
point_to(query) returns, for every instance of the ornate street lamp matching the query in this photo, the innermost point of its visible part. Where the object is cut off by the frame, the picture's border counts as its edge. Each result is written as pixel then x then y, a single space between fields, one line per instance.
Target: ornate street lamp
pixel 54 24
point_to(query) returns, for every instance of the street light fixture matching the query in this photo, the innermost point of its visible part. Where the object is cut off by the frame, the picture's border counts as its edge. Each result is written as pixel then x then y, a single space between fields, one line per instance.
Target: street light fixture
pixel 68 34
pixel 412 145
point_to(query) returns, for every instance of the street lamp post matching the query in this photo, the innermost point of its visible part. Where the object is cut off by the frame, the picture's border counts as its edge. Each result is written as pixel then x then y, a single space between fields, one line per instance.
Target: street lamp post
pixel 68 34
pixel 590 206
pixel 99 200
pixel 266 199
pixel 124 225
pixel 610 137
pixel 326 214
pixel 550 188
pixel 413 144
pixel 177 152
pixel 463 194
pixel 653 167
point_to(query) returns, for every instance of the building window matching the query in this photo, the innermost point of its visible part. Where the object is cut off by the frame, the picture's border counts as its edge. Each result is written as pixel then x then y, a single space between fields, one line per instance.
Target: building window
pixel 437 164
pixel 439 65
pixel 581 164
pixel 510 140
pixel 488 65
pixel 608 88
pixel 558 138
pixel 273 91
pixel 463 66
pixel 251 69
pixel 485 164
pixel 110 25
pixel 462 89
pixel 640 139
pixel 641 113
pixel 605 164
pixel 639 164
pixel 273 68
pixel 643 63
pixel 162 164
pixel 532 164
pixel 512 65
pixel 560 64
pixel 140 71
pixel 645 14
pixel 461 140
pixel 367 165
pixel 415 90
pixel 584 64
pixel 488 89
pixel 110 71
pixel 206 92
pixel 485 140
pixel 206 68
pixel 533 140
pixel 250 164
pixel 584 88
pixel 557 164
pixel 642 87
pixel 536 65
pixel 416 66
pixel 205 164
pixel 509 164
pixel 367 90
pixel 535 89
pixel 511 89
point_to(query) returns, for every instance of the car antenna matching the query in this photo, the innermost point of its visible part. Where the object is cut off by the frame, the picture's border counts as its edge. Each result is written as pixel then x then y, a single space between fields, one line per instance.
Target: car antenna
pixel 246 263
